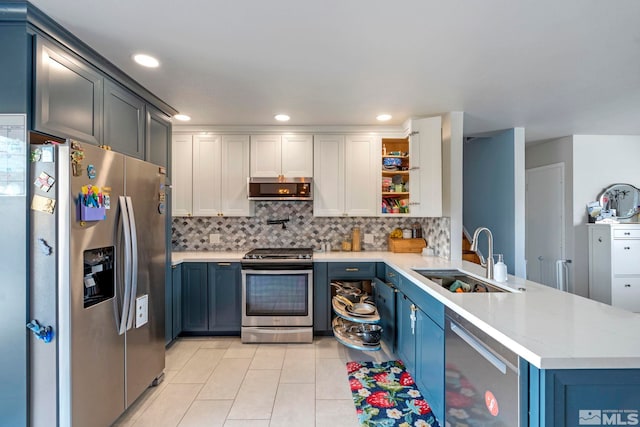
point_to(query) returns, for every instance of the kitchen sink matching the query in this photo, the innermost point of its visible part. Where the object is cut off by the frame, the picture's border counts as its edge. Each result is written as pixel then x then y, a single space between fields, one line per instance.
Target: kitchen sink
pixel 458 281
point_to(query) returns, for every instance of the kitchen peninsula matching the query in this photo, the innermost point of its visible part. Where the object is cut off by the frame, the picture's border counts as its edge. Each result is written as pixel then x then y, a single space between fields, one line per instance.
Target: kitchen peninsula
pixel 575 354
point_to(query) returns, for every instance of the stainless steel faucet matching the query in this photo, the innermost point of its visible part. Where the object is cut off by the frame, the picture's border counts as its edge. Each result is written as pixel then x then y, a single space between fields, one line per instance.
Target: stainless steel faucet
pixel 488 263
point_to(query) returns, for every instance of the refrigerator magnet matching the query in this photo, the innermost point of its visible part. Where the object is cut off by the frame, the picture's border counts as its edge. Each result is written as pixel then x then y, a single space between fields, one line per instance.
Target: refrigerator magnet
pixel 36 155
pixel 44 181
pixel 43 204
pixel 91 171
pixel 47 154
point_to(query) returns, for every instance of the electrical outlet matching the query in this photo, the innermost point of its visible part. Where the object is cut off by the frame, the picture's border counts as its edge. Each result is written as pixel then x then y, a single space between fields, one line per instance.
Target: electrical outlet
pixel 368 238
pixel 214 238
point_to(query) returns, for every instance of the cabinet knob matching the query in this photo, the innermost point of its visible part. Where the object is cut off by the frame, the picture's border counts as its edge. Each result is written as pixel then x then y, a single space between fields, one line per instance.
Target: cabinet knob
pixel 627 285
pixel 626 233
pixel 626 248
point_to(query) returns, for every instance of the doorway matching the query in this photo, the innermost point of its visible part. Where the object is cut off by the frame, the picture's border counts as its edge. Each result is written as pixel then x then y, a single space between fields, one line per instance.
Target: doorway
pixel 544 226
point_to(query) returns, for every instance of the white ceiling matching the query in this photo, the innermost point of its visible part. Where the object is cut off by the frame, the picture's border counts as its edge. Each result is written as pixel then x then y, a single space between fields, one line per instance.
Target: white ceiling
pixel 553 67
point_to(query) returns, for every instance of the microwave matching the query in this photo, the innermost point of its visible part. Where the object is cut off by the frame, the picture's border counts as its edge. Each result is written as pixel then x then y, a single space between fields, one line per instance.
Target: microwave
pixel 280 188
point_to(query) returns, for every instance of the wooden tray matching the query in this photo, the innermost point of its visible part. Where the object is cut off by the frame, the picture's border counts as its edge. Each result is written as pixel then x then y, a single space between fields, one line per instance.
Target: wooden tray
pixel 407 245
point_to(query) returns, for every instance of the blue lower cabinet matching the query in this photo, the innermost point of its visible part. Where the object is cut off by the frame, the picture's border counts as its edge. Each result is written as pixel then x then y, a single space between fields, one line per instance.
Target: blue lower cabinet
pixel 576 397
pixel 430 365
pixel 225 297
pixel 173 305
pixel 420 345
pixel 321 299
pixel 195 309
pixel 211 298
pixel 385 298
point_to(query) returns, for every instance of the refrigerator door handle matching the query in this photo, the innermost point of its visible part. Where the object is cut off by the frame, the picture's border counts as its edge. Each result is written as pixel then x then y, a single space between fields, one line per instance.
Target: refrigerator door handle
pixel 133 290
pixel 126 229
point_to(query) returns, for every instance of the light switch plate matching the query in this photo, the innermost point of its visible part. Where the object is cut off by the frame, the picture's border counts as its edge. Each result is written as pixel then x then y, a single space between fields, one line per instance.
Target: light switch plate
pixel 214 238
pixel 368 238
pixel 142 310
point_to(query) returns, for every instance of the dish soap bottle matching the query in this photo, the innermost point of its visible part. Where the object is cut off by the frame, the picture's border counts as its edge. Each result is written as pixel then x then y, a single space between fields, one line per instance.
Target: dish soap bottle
pixel 500 270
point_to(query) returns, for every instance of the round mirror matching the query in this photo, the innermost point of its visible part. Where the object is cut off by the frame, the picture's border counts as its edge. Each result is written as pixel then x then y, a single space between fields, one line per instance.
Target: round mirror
pixel 624 198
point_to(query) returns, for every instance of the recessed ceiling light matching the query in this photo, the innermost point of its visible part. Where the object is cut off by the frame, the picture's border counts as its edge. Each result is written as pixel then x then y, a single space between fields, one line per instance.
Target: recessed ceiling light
pixel 282 117
pixel 182 117
pixel 146 60
pixel 383 117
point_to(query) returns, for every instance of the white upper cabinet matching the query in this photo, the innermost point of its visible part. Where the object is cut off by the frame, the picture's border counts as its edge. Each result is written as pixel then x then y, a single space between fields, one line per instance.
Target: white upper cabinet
pixel 287 155
pixel 181 176
pixel 297 156
pixel 361 177
pixel 345 175
pixel 425 173
pixel 328 178
pixel 234 175
pixel 216 168
pixel 206 175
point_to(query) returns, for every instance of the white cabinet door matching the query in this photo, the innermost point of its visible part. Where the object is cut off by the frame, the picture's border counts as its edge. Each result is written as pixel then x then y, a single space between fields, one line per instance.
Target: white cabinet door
pixel 266 155
pixel 297 156
pixel 181 177
pixel 362 175
pixel 425 175
pixel 234 175
pixel 206 175
pixel 328 175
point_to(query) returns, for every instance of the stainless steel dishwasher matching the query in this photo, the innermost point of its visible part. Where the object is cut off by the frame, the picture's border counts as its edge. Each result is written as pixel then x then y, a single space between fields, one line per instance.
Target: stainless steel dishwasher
pixel 481 378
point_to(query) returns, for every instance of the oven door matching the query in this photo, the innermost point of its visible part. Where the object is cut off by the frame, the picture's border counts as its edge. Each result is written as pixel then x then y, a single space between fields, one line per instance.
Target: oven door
pixel 277 298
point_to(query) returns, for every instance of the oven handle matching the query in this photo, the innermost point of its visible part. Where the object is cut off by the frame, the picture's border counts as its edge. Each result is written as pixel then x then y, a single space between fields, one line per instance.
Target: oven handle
pixel 276 272
pixel 478 347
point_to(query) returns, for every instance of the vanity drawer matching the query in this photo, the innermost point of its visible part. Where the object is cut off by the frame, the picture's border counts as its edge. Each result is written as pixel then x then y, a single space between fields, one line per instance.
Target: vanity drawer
pixel 625 293
pixel 626 254
pixel 626 233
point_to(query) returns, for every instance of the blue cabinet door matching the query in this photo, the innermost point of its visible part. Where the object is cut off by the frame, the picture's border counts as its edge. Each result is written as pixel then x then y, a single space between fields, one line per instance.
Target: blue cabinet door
pixel 124 120
pixel 385 297
pixel 406 340
pixel 194 297
pixel 321 299
pixel 430 362
pixel 176 323
pixel 225 297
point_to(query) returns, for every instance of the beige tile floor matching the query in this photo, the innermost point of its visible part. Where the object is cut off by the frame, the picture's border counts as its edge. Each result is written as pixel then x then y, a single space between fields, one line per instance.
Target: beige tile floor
pixel 218 381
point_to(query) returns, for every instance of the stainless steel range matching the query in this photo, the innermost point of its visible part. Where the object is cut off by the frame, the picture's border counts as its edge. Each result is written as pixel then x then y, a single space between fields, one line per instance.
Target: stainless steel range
pixel 277 295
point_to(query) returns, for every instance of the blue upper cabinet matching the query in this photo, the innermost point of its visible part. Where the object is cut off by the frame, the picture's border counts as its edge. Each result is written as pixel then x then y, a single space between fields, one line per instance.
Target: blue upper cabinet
pixel 124 121
pixel 158 137
pixel 68 94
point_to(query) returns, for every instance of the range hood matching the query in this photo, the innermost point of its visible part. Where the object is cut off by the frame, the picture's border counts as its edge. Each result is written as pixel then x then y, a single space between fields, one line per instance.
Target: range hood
pixel 280 188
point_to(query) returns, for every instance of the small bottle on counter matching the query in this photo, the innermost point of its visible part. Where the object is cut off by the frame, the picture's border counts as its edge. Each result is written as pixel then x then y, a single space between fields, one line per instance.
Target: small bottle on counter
pixel 416 230
pixel 355 239
pixel 500 270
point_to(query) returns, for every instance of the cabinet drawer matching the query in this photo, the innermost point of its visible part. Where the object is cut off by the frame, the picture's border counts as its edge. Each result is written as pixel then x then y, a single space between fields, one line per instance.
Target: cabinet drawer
pixel 625 293
pixel 626 254
pixel 431 306
pixel 352 270
pixel 391 275
pixel 626 233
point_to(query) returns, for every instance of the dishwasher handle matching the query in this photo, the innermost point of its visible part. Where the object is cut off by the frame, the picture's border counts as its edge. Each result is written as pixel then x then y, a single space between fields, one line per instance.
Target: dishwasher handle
pixel 480 348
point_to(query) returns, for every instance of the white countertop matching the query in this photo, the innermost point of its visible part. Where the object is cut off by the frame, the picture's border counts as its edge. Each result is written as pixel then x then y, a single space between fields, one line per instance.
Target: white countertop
pixel 549 328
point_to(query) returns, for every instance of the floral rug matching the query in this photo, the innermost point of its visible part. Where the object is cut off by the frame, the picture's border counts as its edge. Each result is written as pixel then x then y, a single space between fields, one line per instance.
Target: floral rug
pixel 385 395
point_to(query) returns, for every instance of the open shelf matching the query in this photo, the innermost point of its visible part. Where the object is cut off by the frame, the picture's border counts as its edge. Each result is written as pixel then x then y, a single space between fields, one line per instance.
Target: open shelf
pixel 395 153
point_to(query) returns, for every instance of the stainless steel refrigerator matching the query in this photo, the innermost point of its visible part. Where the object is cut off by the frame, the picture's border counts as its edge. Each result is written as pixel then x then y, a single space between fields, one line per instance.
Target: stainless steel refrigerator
pixel 97 278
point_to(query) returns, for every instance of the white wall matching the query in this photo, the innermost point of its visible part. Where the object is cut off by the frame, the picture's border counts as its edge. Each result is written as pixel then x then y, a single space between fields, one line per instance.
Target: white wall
pixel 552 152
pixel 598 161
pixel 452 125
